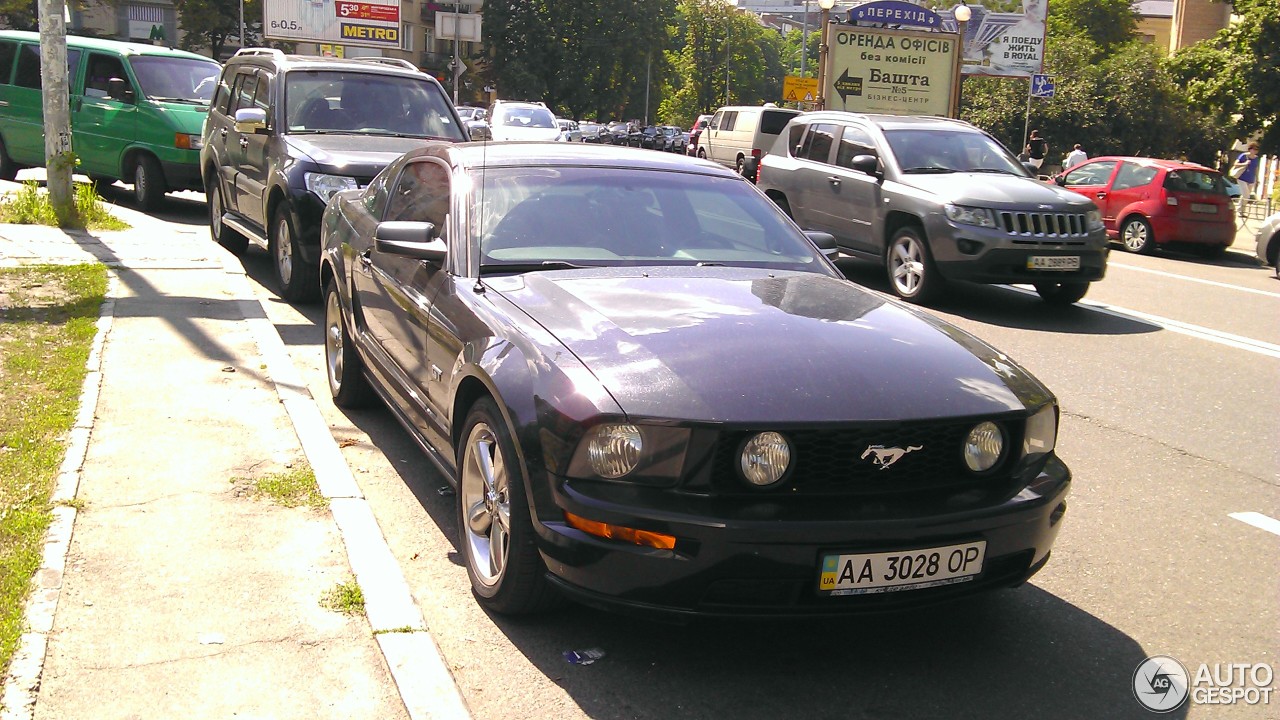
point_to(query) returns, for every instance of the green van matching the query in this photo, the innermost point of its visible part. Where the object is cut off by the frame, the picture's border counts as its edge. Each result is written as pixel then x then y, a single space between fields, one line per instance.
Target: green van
pixel 136 111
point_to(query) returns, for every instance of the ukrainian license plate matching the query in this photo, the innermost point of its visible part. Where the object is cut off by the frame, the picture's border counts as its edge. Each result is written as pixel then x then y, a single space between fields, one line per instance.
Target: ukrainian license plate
pixel 871 573
pixel 1053 262
pixel 1204 208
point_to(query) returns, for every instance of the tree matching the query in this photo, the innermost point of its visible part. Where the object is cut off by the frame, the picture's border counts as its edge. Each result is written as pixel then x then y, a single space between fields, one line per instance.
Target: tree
pixel 211 23
pixel 1234 77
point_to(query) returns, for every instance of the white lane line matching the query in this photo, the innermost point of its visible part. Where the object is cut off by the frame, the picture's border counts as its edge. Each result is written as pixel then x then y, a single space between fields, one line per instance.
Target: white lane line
pixel 1258 520
pixel 1236 341
pixel 1214 283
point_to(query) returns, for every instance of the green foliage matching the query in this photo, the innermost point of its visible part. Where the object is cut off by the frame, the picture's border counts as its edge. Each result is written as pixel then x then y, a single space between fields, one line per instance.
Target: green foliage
pixel 1105 23
pixel 209 24
pixel 30 205
pixel 20 14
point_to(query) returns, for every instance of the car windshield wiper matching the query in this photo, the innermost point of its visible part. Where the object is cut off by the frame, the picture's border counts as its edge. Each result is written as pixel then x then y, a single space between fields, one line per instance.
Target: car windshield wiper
pixel 189 101
pixel 1000 171
pixel 530 267
pixel 930 169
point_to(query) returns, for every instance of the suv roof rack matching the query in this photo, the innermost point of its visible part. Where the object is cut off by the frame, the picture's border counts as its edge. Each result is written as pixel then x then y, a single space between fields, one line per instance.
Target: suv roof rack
pixel 394 62
pixel 268 52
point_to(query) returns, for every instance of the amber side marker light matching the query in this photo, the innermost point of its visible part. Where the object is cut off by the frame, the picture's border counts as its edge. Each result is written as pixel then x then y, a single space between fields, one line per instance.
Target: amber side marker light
pixel 617 532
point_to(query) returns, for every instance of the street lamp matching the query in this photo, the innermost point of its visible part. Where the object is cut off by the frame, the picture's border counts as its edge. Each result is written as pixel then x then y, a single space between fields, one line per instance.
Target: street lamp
pixel 961 13
pixel 824 18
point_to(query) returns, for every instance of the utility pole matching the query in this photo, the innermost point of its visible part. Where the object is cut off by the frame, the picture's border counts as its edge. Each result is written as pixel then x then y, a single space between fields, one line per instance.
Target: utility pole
pixel 59 159
pixel 457 67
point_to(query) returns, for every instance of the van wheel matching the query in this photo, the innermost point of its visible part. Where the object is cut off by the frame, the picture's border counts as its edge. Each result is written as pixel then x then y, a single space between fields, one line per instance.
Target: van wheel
pixel 1136 236
pixel 912 274
pixel 738 164
pixel 1062 293
pixel 299 280
pixel 223 235
pixel 148 183
pixel 8 168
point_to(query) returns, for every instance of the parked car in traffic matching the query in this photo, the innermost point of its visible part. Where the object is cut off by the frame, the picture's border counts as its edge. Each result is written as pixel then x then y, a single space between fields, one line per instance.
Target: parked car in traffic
pixel 593 132
pixel 569 130
pixel 934 200
pixel 620 132
pixel 285 132
pixel 737 133
pixel 515 120
pixel 574 335
pixel 1147 203
pixel 136 111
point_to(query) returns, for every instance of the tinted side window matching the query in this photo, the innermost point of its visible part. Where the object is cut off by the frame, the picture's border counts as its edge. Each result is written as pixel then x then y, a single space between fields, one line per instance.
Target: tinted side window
pixel 817 144
pixel 772 121
pixel 101 70
pixel 8 51
pixel 28 72
pixel 793 137
pixel 729 120
pixel 1132 176
pixel 715 121
pixel 421 195
pixel 854 141
pixel 1092 174
pixel 262 98
pixel 222 96
pixel 242 93
pixel 73 68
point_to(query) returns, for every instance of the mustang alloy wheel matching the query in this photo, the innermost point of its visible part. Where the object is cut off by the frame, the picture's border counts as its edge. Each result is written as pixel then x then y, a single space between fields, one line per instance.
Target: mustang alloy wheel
pixel 494 525
pixel 347 383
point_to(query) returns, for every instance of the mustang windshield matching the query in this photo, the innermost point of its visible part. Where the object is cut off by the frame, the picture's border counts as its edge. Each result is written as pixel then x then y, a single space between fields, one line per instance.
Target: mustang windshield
pixel 933 151
pixel 527 216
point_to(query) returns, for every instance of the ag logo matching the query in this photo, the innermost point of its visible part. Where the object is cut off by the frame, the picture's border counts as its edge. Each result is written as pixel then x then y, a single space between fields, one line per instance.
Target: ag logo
pixel 1160 683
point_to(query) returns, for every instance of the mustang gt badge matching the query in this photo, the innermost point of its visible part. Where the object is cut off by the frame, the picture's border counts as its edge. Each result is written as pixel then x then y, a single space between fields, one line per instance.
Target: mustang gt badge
pixel 886 456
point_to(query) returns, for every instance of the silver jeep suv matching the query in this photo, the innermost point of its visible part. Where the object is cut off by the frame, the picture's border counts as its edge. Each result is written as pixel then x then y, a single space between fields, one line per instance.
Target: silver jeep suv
pixel 934 200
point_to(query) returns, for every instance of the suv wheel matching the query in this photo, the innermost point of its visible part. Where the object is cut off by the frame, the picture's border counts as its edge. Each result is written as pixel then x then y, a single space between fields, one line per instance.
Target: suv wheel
pixel 223 235
pixel 1136 236
pixel 910 266
pixel 148 182
pixel 1062 293
pixel 299 280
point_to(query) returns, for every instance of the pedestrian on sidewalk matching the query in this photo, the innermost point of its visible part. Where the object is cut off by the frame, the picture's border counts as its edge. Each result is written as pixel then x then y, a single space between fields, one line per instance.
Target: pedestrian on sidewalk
pixel 1075 157
pixel 1037 149
pixel 1245 171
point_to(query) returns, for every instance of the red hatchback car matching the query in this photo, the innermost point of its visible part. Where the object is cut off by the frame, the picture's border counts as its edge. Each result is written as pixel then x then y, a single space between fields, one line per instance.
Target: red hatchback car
pixel 1146 202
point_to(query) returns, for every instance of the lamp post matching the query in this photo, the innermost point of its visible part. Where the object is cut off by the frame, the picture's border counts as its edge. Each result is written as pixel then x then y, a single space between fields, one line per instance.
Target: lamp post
pixel 962 13
pixel 824 18
pixel 804 42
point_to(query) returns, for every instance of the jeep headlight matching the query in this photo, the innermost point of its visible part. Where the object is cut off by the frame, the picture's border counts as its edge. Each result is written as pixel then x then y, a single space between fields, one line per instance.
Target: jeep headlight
pixel 981 217
pixel 1093 220
pixel 326 185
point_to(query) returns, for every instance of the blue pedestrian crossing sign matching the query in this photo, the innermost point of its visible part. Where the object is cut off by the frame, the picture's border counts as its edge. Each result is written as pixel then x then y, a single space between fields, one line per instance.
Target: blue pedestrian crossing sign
pixel 1041 86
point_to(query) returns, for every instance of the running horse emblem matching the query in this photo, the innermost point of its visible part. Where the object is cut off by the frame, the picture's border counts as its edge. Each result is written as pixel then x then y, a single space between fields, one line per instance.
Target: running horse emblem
pixel 886 456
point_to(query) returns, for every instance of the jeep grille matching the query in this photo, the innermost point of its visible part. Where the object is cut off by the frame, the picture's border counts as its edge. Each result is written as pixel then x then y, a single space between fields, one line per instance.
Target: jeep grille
pixel 1045 227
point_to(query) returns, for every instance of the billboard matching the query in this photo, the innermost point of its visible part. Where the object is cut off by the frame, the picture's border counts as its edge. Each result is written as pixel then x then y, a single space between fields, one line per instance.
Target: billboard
pixel 1002 44
pixel 336 22
pixel 900 72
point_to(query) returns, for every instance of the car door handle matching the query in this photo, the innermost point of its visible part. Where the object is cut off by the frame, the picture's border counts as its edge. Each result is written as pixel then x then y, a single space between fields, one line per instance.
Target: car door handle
pixel 1101 195
pixel 244 142
pixel 223 131
pixel 835 181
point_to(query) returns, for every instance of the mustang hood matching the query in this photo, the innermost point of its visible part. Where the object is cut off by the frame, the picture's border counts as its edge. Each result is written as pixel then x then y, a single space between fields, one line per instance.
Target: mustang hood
pixel 353 154
pixel 994 190
pixel 738 345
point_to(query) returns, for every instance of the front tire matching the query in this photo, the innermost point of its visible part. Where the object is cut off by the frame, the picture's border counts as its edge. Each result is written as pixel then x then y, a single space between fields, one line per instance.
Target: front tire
pixel 8 168
pixel 299 280
pixel 1062 293
pixel 347 383
pixel 233 241
pixel 148 183
pixel 912 275
pixel 1136 236
pixel 495 527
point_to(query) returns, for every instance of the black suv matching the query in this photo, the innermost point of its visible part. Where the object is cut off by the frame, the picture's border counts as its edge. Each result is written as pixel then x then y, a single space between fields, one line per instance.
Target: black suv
pixel 285 132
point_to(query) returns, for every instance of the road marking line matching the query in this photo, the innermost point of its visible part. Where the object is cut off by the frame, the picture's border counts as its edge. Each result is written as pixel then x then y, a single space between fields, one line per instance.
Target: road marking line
pixel 1258 520
pixel 1215 283
pixel 1236 341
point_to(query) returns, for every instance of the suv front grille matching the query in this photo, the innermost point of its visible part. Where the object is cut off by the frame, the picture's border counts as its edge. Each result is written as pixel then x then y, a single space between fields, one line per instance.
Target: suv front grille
pixel 1038 228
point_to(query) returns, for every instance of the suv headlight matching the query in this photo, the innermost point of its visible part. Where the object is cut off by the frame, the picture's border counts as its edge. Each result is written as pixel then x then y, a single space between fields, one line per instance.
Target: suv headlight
pixel 1093 219
pixel 326 185
pixel 982 217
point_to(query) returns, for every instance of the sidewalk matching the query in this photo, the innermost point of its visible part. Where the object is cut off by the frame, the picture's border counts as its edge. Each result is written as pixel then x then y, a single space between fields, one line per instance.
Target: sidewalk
pixel 172 592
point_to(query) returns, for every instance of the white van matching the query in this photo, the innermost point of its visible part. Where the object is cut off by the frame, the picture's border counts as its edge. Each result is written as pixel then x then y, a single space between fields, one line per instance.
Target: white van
pixel 739 132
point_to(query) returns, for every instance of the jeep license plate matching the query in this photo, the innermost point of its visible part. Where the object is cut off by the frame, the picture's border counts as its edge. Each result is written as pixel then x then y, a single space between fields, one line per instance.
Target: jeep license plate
pixel 1053 262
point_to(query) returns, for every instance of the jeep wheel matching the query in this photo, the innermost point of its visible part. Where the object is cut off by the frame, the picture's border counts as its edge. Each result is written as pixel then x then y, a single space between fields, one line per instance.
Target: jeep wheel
pixel 912 274
pixel 223 235
pixel 1062 293
pixel 148 183
pixel 299 280
pixel 1136 236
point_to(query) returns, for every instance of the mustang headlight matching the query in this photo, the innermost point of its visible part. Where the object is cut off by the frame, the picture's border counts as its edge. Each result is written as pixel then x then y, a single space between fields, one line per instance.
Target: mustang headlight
pixel 765 458
pixel 984 446
pixel 1093 219
pixel 1042 432
pixel 613 449
pixel 326 185
pixel 982 217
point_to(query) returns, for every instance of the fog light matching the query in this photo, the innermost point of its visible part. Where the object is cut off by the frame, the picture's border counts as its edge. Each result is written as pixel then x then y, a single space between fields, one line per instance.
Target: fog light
pixel 765 459
pixel 983 447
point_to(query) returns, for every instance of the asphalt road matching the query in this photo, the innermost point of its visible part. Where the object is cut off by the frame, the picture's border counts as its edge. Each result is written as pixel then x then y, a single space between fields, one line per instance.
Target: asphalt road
pixel 1168 380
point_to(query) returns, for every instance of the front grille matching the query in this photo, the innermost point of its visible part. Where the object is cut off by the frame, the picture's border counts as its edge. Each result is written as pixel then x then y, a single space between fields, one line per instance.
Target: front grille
pixel 843 461
pixel 1038 228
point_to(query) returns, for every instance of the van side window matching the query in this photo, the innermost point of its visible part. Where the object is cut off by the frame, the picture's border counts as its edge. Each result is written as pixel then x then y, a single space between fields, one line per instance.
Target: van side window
pixel 28 72
pixel 729 120
pixel 73 68
pixel 102 69
pixel 8 51
pixel 817 144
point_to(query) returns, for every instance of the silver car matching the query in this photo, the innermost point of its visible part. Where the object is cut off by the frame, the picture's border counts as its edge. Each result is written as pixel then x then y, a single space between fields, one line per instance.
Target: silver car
pixel 1269 241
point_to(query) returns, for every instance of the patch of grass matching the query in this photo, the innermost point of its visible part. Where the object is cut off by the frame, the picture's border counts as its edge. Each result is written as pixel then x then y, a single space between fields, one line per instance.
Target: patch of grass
pixel 48 319
pixel 76 503
pixel 30 206
pixel 346 598
pixel 389 631
pixel 292 488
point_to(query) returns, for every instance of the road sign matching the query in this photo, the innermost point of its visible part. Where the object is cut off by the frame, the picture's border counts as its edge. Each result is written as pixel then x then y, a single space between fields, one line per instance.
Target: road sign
pixel 799 89
pixel 1042 86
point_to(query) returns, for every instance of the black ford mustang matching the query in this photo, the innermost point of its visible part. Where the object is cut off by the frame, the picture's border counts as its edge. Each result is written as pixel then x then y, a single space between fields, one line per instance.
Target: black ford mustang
pixel 654 393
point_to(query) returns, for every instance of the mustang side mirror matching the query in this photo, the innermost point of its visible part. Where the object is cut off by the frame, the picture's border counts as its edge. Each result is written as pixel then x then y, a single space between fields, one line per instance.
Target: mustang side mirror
pixel 825 241
pixel 415 240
